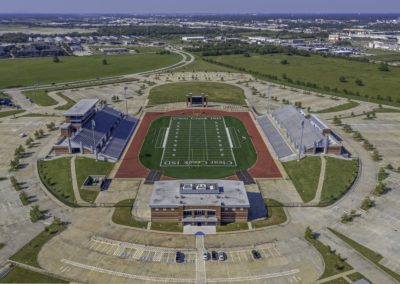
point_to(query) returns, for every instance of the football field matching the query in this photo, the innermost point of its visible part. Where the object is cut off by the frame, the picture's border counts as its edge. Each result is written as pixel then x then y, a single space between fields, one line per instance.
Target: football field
pixel 196 141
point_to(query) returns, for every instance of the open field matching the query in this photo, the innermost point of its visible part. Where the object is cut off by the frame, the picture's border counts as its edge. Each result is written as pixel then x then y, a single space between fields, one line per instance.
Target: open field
pixel 189 147
pixel 177 92
pixel 16 28
pixel 346 106
pixel 21 275
pixel 45 71
pixel 325 72
pixel 56 175
pixel 339 175
pixel 84 168
pixel 40 97
pixel 305 176
pixel 199 65
pixel 10 112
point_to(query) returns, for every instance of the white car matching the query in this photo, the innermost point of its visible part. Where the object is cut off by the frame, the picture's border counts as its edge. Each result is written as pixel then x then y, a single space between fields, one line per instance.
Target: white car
pixel 206 255
pixel 221 255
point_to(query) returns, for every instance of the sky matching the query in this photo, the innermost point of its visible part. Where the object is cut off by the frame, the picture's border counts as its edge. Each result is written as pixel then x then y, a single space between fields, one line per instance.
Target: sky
pixel 200 6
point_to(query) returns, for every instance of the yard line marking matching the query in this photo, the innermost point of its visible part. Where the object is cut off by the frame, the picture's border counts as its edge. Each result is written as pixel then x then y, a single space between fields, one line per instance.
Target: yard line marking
pixel 233 156
pixel 205 137
pixel 162 157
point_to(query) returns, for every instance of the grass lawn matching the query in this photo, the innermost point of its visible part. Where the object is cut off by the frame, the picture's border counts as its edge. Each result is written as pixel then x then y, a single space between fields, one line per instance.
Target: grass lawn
pixel 335 187
pixel 339 280
pixel 325 72
pixel 276 215
pixel 386 110
pixel 21 275
pixel 176 92
pixel 199 65
pixel 342 107
pixel 28 254
pixel 357 276
pixel 40 97
pixel 167 226
pixel 305 176
pixel 123 216
pixel 84 168
pixel 10 112
pixel 196 151
pixel 69 103
pixel 45 71
pixel 330 259
pixel 56 175
pixel 367 253
pixel 3 95
pixel 233 227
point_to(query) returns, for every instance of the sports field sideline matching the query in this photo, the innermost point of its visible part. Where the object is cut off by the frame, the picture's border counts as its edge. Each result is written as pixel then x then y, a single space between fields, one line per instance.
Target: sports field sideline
pixel 197 141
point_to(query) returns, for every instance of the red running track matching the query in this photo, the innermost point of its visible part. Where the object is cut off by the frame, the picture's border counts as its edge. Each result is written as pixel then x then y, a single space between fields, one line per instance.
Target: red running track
pixel 131 167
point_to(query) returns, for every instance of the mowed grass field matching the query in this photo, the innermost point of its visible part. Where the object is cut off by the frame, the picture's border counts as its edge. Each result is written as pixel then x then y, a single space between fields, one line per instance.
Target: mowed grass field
pixel 31 71
pixel 177 92
pixel 202 157
pixel 325 72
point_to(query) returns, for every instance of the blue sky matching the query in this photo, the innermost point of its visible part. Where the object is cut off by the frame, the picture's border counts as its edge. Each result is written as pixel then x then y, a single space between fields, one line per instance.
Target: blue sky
pixel 200 6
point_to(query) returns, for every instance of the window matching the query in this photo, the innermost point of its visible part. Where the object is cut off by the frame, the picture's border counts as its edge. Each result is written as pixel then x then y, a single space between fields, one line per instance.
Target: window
pixel 172 209
pixel 156 209
pixel 164 209
pixel 241 209
pixel 211 213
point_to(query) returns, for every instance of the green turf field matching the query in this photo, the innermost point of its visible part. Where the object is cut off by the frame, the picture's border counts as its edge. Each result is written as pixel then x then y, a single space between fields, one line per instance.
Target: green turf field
pixel 177 92
pixel 325 72
pixel 31 71
pixel 198 147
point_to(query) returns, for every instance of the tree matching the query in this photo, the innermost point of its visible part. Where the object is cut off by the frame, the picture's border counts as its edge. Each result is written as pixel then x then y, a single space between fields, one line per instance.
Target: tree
pixel 29 142
pixel 14 164
pixel 380 189
pixel 35 214
pixel 309 234
pixel 384 67
pixel 55 226
pixel 337 120
pixel 376 156
pixel 56 59
pixel 342 79
pixel 347 128
pixel 19 151
pixel 15 183
pixel 51 126
pixel 284 62
pixel 367 203
pixel 357 135
pixel 105 62
pixel 359 82
pixel 382 174
pixel 24 198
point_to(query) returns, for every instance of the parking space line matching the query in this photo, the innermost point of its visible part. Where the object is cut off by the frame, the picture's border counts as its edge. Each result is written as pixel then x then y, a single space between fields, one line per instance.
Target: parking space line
pixel 277 251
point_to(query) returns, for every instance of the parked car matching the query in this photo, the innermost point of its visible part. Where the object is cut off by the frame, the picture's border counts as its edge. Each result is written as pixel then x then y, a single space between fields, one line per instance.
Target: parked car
pixel 214 255
pixel 179 257
pixel 206 255
pixel 256 254
pixel 221 255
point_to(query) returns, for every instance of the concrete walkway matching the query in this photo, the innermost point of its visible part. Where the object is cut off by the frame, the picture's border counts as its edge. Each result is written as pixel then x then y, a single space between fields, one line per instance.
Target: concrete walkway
pixel 317 197
pixel 201 277
pixel 337 276
pixel 75 186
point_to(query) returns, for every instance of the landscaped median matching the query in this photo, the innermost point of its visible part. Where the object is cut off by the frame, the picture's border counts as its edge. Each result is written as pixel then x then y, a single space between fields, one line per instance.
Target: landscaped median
pixel 371 255
pixel 22 275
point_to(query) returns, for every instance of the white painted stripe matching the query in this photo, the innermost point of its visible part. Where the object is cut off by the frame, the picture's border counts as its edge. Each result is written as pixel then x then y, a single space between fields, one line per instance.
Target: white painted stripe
pixel 165 138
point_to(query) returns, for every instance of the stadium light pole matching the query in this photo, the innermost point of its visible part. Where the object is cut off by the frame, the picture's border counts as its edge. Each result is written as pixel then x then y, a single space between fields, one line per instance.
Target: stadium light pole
pixel 94 141
pixel 301 140
pixel 126 102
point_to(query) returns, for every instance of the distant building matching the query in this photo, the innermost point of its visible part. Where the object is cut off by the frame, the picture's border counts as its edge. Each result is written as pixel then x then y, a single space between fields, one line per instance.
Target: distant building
pixel 199 202
pixel 115 50
pixel 194 38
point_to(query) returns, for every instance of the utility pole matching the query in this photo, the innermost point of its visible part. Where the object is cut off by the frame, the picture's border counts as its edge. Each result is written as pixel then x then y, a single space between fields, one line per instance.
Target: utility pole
pixel 94 142
pixel 301 140
pixel 126 101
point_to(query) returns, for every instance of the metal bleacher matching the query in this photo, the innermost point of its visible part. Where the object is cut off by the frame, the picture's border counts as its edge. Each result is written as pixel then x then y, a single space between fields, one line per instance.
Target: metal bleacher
pixel 120 138
pixel 276 140
pixel 111 132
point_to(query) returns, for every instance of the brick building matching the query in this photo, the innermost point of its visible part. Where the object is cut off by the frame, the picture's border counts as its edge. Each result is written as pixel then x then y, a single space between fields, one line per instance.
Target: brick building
pixel 199 202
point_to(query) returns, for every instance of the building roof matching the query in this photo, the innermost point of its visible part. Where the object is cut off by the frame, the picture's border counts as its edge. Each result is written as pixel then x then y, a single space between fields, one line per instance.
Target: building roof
pixel 291 119
pixel 81 107
pixel 174 193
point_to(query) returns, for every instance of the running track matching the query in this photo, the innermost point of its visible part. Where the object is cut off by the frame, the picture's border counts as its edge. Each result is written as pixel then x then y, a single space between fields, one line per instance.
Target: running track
pixel 131 167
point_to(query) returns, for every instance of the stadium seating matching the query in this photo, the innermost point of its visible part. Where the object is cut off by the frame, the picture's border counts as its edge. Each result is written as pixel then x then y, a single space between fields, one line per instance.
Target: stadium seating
pixel 111 132
pixel 274 137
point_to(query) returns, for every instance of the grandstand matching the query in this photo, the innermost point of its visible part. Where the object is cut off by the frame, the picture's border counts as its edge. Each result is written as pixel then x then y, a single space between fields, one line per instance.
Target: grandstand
pixel 317 136
pixel 90 130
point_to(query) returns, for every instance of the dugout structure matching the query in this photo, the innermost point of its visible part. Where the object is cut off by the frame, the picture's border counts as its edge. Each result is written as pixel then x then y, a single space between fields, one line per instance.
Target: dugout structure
pixel 197 100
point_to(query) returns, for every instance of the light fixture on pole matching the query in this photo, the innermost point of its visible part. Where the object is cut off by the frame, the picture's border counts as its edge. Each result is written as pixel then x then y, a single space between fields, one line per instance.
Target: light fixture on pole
pixel 126 101
pixel 301 140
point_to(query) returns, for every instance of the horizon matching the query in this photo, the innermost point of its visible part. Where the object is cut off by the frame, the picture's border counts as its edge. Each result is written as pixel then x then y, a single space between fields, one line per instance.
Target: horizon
pixel 205 7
